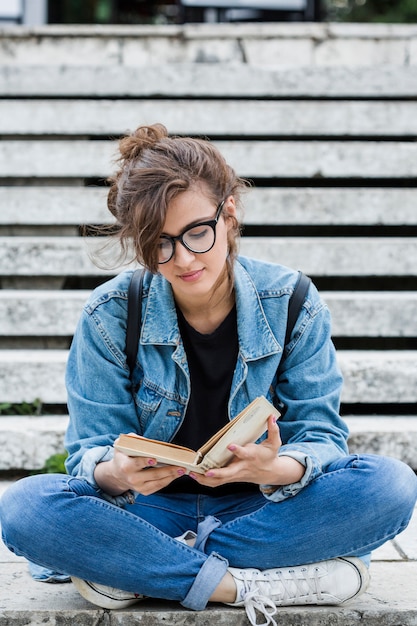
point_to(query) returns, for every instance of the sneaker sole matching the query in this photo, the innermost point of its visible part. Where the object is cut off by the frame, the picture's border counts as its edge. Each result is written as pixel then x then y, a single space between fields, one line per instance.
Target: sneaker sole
pixel 99 597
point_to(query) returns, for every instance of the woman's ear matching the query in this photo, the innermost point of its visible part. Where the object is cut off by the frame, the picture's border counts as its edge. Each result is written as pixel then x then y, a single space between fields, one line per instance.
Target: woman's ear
pixel 230 210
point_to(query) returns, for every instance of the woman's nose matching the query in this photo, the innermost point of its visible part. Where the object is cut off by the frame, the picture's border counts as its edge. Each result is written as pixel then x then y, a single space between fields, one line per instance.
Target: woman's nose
pixel 182 255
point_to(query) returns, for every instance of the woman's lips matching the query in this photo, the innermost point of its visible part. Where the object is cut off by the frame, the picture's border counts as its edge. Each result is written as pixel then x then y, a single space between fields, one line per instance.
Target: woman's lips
pixel 191 276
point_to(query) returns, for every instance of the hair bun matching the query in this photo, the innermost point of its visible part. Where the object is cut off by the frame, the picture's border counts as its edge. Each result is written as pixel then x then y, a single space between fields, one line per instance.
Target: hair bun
pixel 132 146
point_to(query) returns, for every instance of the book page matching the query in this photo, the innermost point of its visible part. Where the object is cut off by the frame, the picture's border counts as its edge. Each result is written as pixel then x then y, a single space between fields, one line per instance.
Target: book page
pixel 247 427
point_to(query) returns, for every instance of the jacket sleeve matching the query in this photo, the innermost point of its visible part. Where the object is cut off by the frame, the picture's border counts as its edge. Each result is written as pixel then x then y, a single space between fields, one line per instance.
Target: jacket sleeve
pixel 100 401
pixel 309 385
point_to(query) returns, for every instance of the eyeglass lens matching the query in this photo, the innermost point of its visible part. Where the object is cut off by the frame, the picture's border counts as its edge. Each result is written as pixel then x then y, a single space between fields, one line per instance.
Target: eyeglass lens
pixel 198 239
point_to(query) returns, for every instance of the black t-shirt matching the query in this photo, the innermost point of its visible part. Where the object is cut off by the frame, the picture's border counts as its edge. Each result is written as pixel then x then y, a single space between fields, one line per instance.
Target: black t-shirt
pixel 211 361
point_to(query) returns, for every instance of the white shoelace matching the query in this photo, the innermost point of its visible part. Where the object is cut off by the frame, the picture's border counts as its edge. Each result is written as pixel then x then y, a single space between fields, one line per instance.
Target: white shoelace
pixel 258 597
pixel 256 602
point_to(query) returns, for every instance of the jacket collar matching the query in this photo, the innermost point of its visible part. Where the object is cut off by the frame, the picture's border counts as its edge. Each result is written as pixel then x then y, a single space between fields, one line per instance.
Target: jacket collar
pixel 256 339
pixel 160 325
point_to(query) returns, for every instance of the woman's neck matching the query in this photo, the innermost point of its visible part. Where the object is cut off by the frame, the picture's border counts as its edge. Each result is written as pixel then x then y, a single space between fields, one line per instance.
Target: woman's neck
pixel 207 315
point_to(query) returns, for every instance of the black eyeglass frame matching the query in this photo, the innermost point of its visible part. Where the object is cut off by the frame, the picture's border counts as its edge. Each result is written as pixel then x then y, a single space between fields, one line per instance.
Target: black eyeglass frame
pixel 212 223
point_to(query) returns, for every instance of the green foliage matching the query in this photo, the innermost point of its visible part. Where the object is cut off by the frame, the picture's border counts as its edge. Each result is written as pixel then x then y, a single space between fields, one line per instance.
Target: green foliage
pixel 110 11
pixel 54 465
pixel 388 11
pixel 25 408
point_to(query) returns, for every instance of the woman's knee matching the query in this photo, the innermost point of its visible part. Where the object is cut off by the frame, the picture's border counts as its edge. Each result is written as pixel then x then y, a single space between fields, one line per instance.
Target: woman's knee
pixel 404 483
pixel 383 481
pixel 394 480
pixel 28 504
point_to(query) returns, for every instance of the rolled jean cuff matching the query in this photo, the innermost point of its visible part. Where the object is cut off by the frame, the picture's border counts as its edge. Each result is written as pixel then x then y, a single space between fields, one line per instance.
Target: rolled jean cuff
pixel 206 581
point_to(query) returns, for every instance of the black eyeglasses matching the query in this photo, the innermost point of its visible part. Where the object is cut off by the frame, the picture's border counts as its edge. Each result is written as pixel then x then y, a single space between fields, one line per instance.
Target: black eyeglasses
pixel 199 238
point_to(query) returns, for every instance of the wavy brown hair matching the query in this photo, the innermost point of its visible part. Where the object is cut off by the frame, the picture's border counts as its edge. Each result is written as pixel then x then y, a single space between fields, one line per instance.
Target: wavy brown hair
pixel 153 169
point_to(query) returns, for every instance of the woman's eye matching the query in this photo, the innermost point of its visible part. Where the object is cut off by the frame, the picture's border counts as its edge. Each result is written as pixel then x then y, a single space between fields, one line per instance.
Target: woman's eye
pixel 164 244
pixel 197 233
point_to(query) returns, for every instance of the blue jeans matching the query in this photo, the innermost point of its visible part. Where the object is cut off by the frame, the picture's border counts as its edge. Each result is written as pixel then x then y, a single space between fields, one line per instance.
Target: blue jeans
pixel 61 522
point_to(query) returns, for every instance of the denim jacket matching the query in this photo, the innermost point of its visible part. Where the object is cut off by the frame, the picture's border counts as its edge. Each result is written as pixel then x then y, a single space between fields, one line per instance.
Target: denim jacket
pixel 103 403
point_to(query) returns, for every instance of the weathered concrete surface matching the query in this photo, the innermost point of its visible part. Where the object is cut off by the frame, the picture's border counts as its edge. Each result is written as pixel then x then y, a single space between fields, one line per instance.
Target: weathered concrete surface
pixel 337 256
pixel 213 79
pixel 41 312
pixel 371 375
pixel 262 118
pixel 27 442
pixel 393 436
pixel 26 375
pixel 288 45
pixel 391 600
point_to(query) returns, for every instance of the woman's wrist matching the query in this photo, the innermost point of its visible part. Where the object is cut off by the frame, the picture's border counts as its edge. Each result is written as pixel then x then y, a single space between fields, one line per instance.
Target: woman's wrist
pixel 106 480
pixel 287 471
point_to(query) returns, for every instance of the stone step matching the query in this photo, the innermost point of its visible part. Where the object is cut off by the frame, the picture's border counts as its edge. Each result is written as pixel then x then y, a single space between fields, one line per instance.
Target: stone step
pixel 343 206
pixel 263 118
pixel 55 313
pixel 318 256
pixel 288 45
pixel 264 159
pixel 390 600
pixel 184 79
pixel 343 256
pixel 27 442
pixel 389 435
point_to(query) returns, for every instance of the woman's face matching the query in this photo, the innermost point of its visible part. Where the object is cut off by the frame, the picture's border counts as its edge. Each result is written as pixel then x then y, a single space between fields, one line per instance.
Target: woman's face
pixel 193 275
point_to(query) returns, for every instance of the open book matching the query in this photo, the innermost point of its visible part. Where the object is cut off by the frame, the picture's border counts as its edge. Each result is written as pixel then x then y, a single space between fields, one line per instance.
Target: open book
pixel 245 428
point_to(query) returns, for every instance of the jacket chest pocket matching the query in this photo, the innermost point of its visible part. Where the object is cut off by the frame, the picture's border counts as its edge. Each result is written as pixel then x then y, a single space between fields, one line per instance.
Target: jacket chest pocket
pixel 159 417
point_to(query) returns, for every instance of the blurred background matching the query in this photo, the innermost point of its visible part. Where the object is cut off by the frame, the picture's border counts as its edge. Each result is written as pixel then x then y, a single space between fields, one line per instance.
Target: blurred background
pixel 35 12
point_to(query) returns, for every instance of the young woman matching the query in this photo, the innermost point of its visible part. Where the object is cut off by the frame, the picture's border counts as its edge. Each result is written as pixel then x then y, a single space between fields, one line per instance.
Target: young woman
pixel 293 518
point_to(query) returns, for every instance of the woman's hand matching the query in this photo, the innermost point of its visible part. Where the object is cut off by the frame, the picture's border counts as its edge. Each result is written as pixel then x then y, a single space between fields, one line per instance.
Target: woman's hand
pixel 138 474
pixel 256 463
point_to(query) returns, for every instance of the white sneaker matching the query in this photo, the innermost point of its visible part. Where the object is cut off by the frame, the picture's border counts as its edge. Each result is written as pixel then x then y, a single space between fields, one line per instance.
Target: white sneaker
pixel 329 582
pixel 105 597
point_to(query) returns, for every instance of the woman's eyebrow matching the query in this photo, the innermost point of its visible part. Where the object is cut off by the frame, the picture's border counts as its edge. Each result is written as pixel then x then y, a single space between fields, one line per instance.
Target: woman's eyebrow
pixel 190 225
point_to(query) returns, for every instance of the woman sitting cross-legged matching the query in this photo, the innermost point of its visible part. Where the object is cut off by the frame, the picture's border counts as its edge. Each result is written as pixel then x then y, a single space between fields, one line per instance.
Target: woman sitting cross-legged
pixel 293 518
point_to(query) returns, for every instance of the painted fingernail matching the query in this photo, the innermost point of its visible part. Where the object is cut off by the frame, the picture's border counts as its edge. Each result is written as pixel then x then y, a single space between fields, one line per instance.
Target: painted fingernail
pixel 151 462
pixel 181 472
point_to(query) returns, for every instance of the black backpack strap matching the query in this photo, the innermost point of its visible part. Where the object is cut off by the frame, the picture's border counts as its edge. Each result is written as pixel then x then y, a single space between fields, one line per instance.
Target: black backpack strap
pixel 134 306
pixel 296 302
pixel 294 307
